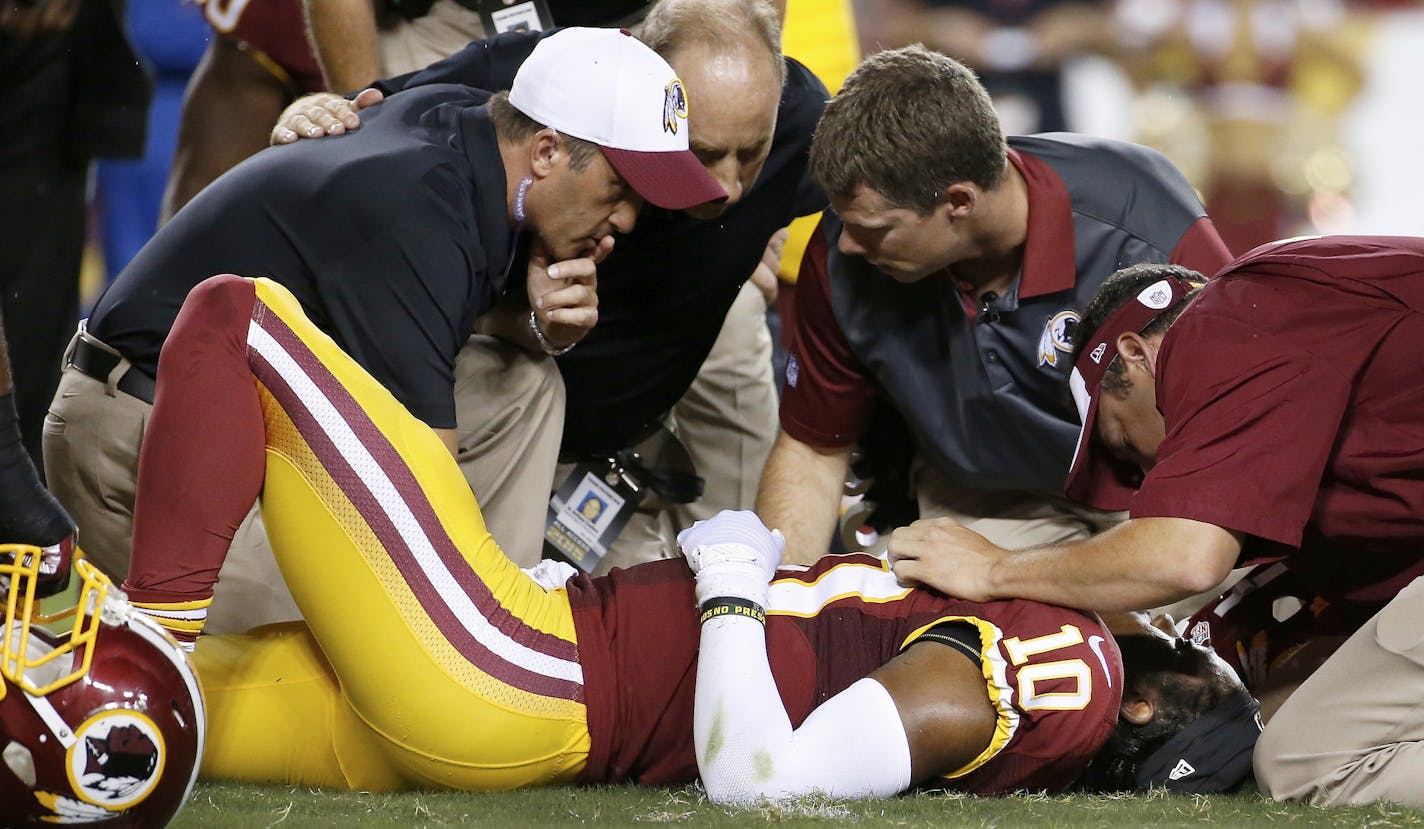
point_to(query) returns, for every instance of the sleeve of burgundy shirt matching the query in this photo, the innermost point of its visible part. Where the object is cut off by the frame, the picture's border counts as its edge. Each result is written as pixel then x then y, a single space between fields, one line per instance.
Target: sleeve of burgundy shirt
pixel 1251 422
pixel 828 400
pixel 1201 248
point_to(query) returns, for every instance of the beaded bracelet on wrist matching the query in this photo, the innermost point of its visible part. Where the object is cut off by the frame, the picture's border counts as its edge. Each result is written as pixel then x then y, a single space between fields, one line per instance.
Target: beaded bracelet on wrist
pixel 544 343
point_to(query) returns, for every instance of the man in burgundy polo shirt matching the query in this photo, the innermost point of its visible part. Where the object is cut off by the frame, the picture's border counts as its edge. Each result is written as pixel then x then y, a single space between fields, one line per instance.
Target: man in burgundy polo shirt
pixel 1275 414
pixel 943 288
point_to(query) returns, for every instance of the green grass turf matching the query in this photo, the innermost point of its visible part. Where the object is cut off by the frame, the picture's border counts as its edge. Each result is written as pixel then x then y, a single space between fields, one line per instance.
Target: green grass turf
pixel 222 805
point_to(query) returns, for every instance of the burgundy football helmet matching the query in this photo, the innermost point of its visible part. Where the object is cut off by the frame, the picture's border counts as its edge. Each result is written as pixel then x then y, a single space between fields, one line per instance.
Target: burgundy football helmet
pixel 101 725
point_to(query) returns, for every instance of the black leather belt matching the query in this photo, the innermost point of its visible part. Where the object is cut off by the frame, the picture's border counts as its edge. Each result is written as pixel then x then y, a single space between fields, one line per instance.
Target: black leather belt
pixel 98 363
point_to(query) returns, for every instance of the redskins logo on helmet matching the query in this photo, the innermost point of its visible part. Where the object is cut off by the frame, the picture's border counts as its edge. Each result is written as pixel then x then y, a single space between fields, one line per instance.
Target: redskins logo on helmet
pixel 100 725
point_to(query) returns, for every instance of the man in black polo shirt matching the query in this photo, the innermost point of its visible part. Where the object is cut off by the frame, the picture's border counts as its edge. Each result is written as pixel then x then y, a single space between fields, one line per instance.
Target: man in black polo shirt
pixel 395 239
pixel 946 286
pixel 666 290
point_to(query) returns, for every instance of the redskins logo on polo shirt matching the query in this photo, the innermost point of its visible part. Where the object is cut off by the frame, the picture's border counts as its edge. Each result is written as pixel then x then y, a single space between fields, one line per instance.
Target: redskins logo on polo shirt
pixel 674 105
pixel 1056 337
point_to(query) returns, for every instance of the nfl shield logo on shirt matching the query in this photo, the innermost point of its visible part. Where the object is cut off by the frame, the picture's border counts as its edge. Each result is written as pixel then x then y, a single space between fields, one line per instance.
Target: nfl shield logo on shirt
pixel 1056 337
pixel 793 370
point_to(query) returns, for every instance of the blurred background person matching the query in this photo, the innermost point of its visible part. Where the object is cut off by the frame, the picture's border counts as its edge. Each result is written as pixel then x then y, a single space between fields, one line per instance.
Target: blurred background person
pixel 258 60
pixel 822 35
pixel 169 37
pixel 1247 97
pixel 73 92
pixel 1017 47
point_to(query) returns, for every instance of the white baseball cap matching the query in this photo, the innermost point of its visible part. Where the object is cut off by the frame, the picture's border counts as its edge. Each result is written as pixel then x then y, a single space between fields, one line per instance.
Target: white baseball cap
pixel 604 86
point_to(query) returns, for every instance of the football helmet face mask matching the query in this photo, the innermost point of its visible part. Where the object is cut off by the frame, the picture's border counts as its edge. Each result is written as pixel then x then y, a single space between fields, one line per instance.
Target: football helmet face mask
pixel 100 726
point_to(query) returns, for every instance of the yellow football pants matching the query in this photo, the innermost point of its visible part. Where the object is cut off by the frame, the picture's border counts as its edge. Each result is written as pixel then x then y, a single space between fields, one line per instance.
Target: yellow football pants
pixel 427 658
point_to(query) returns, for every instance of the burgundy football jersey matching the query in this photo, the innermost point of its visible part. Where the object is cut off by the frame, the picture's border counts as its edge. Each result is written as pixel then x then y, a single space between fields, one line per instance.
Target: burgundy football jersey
pixel 1053 674
pixel 278 33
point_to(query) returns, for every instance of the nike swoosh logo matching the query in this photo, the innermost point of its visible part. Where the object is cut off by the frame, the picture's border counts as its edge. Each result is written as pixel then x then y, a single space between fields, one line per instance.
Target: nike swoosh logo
pixel 1096 643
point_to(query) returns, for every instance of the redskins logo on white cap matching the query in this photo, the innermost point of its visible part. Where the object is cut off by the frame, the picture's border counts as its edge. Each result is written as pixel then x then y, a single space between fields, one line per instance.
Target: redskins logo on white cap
pixel 674 105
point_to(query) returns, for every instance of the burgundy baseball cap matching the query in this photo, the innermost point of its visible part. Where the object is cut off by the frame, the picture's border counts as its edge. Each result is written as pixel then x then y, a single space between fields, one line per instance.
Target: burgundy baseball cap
pixel 606 87
pixel 1097 478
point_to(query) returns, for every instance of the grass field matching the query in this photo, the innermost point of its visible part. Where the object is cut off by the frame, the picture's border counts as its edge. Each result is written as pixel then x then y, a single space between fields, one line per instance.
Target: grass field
pixel 233 806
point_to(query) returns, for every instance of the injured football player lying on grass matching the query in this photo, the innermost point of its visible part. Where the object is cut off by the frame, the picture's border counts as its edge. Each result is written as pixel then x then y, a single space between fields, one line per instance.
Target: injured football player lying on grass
pixel 427 659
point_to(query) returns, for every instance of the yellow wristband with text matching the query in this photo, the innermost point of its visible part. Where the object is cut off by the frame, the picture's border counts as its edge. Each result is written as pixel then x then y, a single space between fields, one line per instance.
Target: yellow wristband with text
pixel 732 606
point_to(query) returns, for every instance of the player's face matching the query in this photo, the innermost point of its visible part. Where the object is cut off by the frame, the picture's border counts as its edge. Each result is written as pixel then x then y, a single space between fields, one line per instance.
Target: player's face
pixel 732 99
pixel 580 207
pixel 1130 426
pixel 902 243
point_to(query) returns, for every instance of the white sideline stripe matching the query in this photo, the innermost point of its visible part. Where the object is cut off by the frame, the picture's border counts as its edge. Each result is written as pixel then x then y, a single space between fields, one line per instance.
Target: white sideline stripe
pixel 871 583
pixel 394 506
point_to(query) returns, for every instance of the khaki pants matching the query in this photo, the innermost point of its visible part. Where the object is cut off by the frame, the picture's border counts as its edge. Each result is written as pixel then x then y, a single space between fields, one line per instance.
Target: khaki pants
pixel 444 30
pixel 727 420
pixel 415 44
pixel 1012 520
pixel 1353 733
pixel 92 437
pixel 510 408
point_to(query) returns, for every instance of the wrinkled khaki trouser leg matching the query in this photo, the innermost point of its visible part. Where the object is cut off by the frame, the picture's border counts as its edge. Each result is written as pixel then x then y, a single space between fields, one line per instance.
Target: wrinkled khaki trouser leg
pixel 442 31
pixel 1353 733
pixel 510 408
pixel 91 443
pixel 1012 520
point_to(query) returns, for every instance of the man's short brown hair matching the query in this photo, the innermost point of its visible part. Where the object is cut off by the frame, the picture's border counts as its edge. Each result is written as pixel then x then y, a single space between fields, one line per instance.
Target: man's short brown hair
pixel 908 124
pixel 510 124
